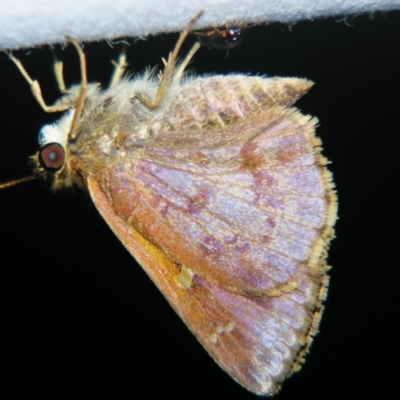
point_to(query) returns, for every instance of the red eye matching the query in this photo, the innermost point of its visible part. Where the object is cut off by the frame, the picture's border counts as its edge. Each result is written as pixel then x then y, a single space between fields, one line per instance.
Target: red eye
pixel 52 156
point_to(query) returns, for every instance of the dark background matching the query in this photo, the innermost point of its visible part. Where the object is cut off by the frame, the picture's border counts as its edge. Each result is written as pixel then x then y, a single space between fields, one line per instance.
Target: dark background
pixel 79 317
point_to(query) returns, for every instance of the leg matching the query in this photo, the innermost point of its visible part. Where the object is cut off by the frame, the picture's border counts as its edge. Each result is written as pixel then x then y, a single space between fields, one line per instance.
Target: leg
pixel 80 101
pixel 58 72
pixel 169 68
pixel 35 88
pixel 119 70
pixel 182 66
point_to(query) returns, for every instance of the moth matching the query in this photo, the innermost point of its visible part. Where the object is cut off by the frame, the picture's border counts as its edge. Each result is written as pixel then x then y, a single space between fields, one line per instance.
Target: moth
pixel 217 187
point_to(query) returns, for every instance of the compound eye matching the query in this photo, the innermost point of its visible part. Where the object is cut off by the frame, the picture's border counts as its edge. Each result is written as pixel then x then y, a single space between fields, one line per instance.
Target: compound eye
pixel 52 156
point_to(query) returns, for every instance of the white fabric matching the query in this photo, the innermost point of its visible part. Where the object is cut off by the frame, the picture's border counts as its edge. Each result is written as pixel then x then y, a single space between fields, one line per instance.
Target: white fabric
pixel 26 23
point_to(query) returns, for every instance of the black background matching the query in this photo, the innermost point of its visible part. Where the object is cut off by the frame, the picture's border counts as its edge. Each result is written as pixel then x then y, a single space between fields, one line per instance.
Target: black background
pixel 79 317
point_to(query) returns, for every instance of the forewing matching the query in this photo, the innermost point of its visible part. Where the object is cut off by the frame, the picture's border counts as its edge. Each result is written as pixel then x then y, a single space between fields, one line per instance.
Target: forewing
pixel 234 235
